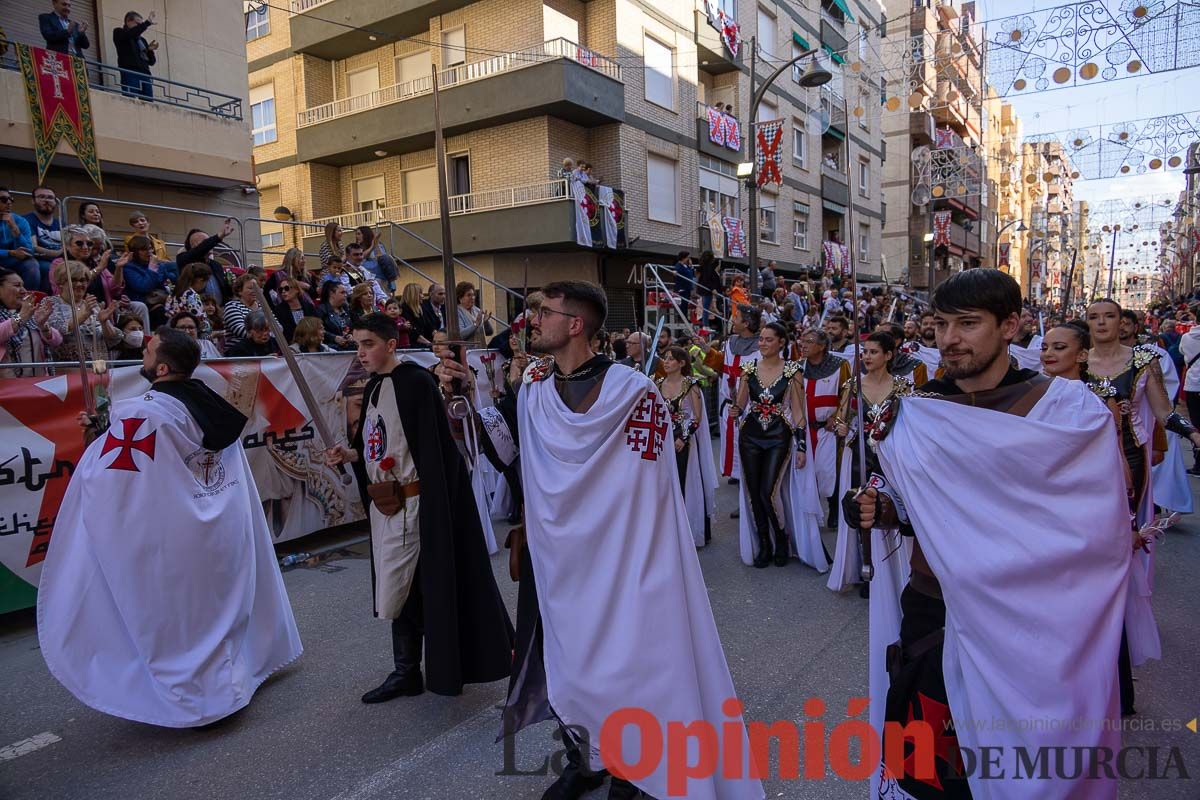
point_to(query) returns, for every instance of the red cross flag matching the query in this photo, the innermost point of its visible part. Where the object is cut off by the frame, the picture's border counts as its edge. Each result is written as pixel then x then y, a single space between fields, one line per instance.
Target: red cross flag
pixel 769 152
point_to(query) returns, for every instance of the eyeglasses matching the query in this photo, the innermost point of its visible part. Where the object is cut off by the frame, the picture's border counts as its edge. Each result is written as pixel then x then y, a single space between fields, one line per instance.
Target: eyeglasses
pixel 79 243
pixel 6 199
pixel 542 311
pixel 285 287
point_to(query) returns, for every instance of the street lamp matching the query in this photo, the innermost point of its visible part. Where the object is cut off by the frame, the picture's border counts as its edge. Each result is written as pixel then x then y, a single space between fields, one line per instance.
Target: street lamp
pixel 816 75
pixel 1020 223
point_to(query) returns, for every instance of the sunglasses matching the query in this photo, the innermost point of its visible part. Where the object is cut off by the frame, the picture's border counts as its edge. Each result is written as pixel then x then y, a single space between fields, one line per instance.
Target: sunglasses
pixel 6 199
pixel 285 287
pixel 80 243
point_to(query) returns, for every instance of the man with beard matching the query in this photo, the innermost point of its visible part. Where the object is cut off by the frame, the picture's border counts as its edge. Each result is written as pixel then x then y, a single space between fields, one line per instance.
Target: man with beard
pixel 160 598
pixel 978 589
pixel 740 348
pixel 912 330
pixel 430 571
pixel 612 610
pixel 824 375
pixel 837 328
pixel 1026 347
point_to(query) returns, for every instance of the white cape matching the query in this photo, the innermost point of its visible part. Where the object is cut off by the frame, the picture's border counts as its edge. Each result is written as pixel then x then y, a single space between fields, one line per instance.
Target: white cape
pixel 625 612
pixel 1170 480
pixel 1033 570
pixel 700 491
pixel 846 571
pixel 161 599
pixel 1028 357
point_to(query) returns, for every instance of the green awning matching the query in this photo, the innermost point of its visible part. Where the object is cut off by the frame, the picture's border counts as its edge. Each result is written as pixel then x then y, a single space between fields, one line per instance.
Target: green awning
pixel 835 133
pixel 837 58
pixel 800 40
pixel 845 9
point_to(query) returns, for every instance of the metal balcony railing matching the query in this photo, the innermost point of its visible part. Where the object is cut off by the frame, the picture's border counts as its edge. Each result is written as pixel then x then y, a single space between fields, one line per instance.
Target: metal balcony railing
pixel 456 76
pixel 509 197
pixel 107 78
pixel 300 6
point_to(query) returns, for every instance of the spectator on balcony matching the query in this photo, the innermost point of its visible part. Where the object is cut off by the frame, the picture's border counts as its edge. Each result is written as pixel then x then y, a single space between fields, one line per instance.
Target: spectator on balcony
pixel 293 306
pixel 376 260
pixel 362 303
pixel 199 247
pixel 135 56
pixel 473 322
pixel 335 310
pixel 685 276
pixel 257 341
pixel 433 310
pixel 238 309
pixel 25 332
pixel 45 232
pixel 141 227
pixel 332 246
pixel 186 295
pixel 766 279
pixel 411 309
pixel 358 274
pixel 830 162
pixel 63 34
pixel 310 337
pixel 568 169
pixel 190 324
pixel 16 244
pixel 709 280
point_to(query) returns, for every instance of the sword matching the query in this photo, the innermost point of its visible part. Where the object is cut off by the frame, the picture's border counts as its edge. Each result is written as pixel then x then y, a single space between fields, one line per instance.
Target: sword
pixel 525 318
pixel 289 358
pixel 648 357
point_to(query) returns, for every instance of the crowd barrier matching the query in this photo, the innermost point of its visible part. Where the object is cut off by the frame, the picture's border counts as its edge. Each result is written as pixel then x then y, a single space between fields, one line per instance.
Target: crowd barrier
pixel 41 443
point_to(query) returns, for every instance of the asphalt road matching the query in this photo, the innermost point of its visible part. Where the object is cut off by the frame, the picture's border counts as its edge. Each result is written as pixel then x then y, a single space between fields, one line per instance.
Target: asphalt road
pixel 306 735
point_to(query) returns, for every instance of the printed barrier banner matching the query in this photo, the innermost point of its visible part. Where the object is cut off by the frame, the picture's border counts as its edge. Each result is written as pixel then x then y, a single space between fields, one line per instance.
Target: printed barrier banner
pixel 41 442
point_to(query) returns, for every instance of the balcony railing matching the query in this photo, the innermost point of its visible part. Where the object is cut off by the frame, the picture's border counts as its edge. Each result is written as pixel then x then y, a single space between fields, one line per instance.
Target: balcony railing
pixel 300 6
pixel 510 197
pixel 455 76
pixel 107 78
pixel 834 105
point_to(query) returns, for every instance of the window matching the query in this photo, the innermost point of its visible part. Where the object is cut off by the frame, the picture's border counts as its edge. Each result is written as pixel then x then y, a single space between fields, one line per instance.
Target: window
pixel 799 144
pixel 719 190
pixel 272 239
pixel 864 178
pixel 767 33
pixel 661 187
pixel 766 225
pixel 454 47
pixel 800 226
pixel 419 185
pixel 660 73
pixel 418 66
pixel 369 194
pixel 864 120
pixel 262 114
pixel 864 242
pixel 362 81
pixel 767 110
pixel 270 233
pixel 258 22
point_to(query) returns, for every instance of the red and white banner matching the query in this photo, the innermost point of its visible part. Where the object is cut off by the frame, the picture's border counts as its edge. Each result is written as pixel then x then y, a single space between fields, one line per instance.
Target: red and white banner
pixel 770 152
pixel 1005 249
pixel 735 237
pixel 40 444
pixel 941 228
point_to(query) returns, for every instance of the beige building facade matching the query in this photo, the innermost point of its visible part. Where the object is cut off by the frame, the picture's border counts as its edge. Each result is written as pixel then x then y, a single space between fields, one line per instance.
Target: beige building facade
pixel 187 146
pixel 623 85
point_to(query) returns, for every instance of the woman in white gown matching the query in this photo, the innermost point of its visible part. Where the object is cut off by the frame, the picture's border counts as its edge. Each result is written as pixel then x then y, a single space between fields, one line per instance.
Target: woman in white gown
pixel 693 444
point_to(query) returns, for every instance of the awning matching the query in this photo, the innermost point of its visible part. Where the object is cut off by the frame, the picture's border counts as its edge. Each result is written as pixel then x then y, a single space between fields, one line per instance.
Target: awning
pixel 835 133
pixel 800 40
pixel 836 208
pixel 845 9
pixel 837 58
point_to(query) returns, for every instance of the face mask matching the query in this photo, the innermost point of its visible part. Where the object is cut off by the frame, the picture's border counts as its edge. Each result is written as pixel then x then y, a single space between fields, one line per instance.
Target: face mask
pixel 135 338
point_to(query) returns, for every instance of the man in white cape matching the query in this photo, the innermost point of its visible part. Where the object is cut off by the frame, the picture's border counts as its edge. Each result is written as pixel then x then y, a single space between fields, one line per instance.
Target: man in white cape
pixel 1013 611
pixel 161 599
pixel 740 348
pixel 620 616
pixel 1026 347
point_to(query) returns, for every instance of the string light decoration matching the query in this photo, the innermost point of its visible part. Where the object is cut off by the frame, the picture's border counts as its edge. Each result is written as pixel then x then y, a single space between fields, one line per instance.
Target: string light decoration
pixel 1130 148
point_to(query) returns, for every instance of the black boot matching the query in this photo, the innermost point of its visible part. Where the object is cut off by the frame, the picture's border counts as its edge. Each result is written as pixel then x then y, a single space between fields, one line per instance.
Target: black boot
pixel 405 680
pixel 783 548
pixel 573 783
pixel 765 551
pixel 621 789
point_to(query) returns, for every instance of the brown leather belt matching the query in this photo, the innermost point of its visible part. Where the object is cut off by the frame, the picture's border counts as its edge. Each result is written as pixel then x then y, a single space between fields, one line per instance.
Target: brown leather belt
pixel 410 489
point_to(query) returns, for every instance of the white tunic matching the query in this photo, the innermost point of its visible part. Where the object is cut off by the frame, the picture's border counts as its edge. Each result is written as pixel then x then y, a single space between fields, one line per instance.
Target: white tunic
pixel 395 540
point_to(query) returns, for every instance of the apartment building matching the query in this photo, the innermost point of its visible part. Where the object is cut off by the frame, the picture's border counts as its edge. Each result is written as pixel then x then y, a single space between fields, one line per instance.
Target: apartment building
pixel 1048 181
pixel 185 146
pixel 1002 142
pixel 943 97
pixel 343 129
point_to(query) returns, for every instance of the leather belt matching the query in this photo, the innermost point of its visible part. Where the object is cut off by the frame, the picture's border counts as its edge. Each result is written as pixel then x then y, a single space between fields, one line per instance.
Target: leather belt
pixel 410 489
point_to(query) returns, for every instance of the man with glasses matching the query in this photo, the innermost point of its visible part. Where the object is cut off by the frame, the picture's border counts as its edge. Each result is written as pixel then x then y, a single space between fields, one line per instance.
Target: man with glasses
pixel 619 601
pixel 45 231
pixel 16 244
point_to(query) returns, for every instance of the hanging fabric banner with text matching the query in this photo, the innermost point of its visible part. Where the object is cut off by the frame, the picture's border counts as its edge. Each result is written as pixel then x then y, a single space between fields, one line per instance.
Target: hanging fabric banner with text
pixel 60 107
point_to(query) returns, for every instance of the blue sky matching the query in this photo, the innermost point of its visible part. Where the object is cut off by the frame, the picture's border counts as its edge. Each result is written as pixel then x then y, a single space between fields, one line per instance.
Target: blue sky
pixel 1104 103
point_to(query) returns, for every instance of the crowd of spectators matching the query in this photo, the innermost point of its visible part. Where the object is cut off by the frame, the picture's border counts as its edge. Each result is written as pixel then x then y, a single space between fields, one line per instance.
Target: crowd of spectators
pixel 115 289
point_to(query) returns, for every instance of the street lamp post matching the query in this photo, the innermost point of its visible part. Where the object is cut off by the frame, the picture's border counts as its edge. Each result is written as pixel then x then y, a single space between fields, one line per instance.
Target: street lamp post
pixel 814 76
pixel 1112 256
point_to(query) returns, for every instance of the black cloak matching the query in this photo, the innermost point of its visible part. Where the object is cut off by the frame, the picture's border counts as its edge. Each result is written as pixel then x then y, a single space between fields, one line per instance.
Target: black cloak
pixel 468 634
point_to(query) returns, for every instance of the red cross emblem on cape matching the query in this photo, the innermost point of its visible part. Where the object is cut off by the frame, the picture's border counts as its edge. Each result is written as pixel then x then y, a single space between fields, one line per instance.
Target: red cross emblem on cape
pixel 588 205
pixel 816 401
pixel 126 446
pixel 646 429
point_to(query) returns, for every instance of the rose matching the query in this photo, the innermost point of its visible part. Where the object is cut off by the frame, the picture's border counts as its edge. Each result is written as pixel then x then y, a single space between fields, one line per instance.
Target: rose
pixel 387 464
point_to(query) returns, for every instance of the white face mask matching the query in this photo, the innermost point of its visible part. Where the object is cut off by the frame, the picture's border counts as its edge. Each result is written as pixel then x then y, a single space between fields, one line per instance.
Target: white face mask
pixel 135 338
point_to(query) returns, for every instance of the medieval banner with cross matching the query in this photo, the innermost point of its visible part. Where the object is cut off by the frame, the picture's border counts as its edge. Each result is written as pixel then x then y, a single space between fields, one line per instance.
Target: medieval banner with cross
pixel 770 152
pixel 941 228
pixel 56 89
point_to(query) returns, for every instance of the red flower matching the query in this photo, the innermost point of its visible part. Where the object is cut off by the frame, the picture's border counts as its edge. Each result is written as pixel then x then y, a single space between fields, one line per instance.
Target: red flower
pixel 387 464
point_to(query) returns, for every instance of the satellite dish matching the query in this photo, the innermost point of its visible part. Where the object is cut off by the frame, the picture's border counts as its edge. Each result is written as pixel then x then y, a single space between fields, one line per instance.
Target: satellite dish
pixel 920 195
pixel 920 154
